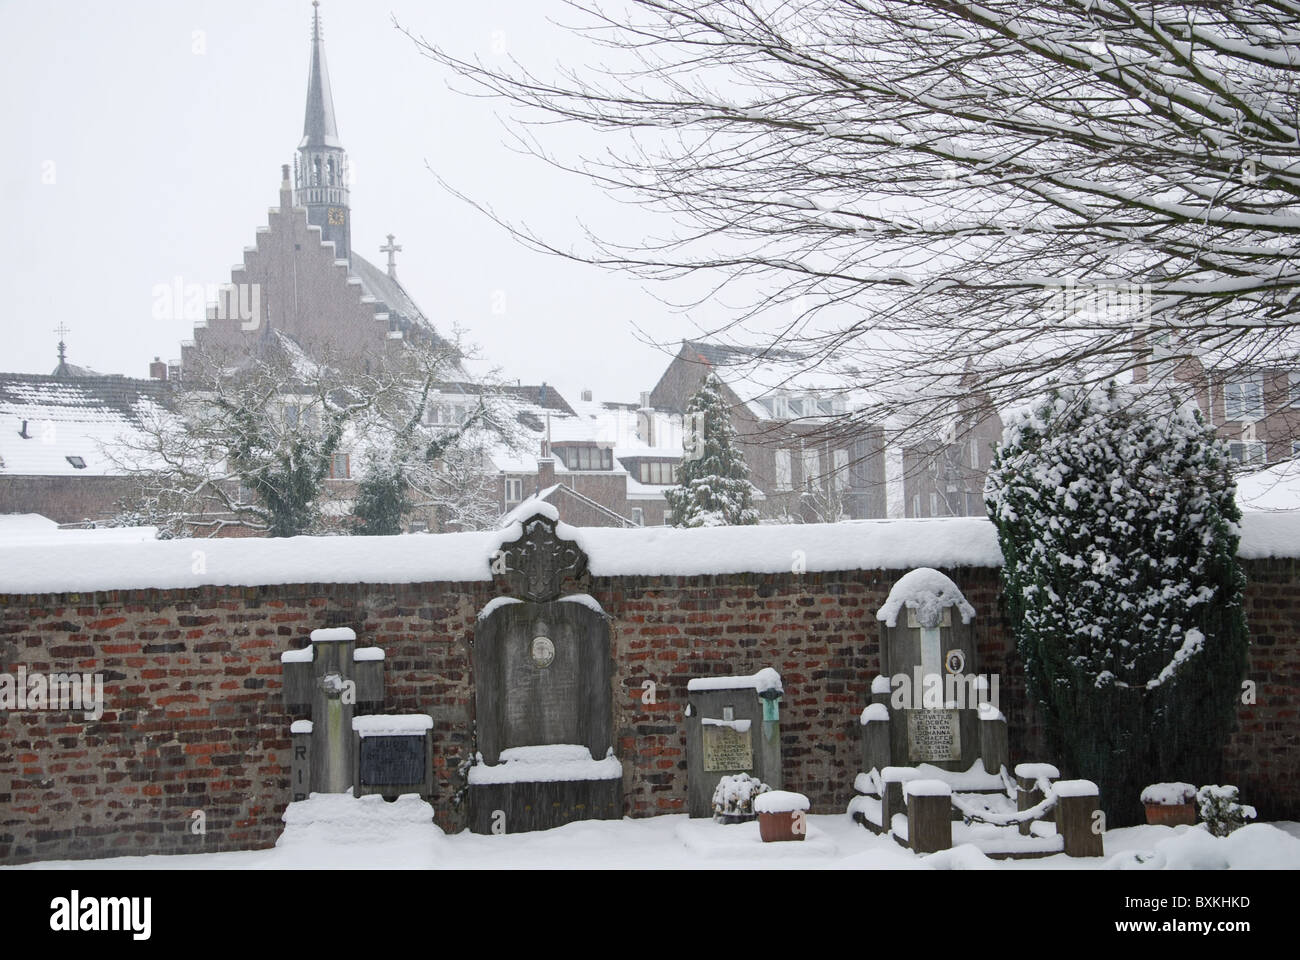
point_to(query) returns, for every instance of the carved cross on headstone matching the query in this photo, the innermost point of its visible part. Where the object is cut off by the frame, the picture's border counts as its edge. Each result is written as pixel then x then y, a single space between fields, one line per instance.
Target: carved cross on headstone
pixel 328 679
pixel 391 248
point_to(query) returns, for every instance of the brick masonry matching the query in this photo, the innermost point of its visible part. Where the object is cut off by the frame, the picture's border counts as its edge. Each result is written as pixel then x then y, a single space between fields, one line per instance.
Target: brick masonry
pixel 194 720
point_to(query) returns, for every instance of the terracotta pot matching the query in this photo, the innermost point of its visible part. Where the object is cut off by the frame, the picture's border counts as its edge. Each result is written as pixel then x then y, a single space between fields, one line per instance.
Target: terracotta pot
pixel 1171 814
pixel 775 827
pixel 734 817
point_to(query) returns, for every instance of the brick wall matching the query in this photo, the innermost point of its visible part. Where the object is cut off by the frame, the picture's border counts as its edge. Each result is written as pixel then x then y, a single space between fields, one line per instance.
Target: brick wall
pixel 194 719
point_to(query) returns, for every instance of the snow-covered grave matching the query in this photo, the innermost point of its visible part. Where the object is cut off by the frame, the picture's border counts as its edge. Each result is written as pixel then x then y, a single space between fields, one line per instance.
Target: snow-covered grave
pixel 337 749
pixel 733 726
pixel 934 742
pixel 542 690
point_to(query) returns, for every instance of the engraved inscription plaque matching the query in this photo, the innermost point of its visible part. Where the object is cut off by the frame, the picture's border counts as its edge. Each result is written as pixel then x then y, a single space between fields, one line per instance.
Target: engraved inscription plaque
pixel 726 748
pixel 933 735
pixel 396 760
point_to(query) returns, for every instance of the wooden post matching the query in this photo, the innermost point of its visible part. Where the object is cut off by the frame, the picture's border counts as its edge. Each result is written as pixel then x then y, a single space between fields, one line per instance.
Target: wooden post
pixel 1027 777
pixel 929 815
pixel 1076 817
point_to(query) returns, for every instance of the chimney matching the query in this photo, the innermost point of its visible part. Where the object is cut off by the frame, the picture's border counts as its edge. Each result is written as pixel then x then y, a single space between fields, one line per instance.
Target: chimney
pixel 586 396
pixel 645 400
pixel 157 369
pixel 545 473
pixel 286 188
pixel 23 433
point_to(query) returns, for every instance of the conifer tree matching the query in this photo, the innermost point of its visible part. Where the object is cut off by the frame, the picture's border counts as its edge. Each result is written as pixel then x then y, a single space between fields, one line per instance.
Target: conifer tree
pixel 714 482
pixel 1117 519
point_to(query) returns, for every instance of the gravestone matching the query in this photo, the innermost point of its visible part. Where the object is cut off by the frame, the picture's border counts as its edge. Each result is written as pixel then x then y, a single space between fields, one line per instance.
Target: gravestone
pixel 732 726
pixel 934 691
pixel 542 694
pixel 330 678
pixel 394 755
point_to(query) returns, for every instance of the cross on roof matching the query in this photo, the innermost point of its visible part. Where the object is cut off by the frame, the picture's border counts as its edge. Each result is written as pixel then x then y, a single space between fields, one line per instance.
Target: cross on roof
pixel 62 331
pixel 391 248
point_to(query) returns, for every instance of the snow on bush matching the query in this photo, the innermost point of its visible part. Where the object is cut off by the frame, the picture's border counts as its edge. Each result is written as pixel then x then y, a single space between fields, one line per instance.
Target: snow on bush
pixel 1220 809
pixel 1116 516
pixel 734 795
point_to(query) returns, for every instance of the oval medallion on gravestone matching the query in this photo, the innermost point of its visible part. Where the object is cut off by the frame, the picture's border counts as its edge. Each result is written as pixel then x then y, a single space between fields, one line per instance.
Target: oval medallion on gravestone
pixel 955 662
pixel 543 651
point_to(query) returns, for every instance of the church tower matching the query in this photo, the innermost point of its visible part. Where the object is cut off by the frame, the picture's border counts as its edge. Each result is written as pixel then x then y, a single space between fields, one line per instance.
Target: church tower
pixel 321 170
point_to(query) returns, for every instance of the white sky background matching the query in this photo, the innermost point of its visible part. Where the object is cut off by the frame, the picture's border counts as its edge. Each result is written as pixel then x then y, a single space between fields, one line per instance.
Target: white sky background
pixel 166 161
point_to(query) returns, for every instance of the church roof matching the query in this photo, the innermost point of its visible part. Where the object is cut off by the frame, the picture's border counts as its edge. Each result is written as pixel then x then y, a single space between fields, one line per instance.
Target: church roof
pixel 319 127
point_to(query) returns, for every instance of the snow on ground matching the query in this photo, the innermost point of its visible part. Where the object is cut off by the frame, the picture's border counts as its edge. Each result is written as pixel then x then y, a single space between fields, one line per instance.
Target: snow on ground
pixel 339 832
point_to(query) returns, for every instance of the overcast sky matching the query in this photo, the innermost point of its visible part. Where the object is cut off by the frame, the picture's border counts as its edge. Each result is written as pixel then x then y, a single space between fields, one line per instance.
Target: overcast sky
pixel 143 142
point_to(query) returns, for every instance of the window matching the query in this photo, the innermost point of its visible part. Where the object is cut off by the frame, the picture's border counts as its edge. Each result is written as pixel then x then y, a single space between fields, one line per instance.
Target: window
pixel 974 453
pixel 811 468
pixel 244 494
pixel 1243 399
pixel 916 504
pixel 638 516
pixel 780 407
pixel 1246 453
pixel 841 476
pixel 77 462
pixel 658 471
pixel 340 466
pixel 934 504
pixel 586 458
pixel 783 477
pixel 1295 390
pixel 514 489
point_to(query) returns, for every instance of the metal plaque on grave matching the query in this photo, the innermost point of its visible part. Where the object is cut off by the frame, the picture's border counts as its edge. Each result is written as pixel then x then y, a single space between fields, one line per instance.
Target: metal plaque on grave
pixel 392 760
pixel 933 735
pixel 726 748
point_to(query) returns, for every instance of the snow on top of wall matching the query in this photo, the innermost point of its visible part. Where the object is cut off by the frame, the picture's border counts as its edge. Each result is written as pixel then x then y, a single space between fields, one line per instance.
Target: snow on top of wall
pixel 928 592
pixel 79 567
pixel 762 681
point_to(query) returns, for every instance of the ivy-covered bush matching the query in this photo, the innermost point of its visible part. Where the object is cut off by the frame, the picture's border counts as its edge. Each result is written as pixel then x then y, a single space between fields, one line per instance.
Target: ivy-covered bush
pixel 1118 523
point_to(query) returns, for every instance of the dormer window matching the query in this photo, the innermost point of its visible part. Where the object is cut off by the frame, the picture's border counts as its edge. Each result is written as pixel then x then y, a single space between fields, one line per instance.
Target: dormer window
pixel 586 458
pixel 77 462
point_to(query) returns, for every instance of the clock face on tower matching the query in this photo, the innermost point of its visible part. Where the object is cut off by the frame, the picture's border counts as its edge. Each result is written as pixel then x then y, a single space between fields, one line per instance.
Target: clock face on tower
pixel 336 216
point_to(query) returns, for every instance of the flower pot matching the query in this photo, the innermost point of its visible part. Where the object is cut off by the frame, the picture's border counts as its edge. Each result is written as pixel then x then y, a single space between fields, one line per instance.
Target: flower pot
pixel 783 825
pixel 1171 814
pixel 734 817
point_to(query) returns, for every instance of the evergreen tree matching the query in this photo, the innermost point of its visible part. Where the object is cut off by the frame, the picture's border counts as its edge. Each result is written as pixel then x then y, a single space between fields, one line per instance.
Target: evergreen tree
pixel 382 501
pixel 715 488
pixel 1117 519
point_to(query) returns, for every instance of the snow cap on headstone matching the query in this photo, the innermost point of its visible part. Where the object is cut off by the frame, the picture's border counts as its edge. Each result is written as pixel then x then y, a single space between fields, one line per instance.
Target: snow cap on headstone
pixel 926 591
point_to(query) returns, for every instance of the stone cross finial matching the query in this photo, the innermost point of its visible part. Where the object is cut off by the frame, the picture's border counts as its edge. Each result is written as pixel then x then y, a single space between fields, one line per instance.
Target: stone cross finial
pixel 391 248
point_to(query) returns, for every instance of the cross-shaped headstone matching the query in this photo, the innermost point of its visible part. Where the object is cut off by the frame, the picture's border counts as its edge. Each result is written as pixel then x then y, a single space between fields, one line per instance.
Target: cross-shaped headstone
pixel 328 679
pixel 391 248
